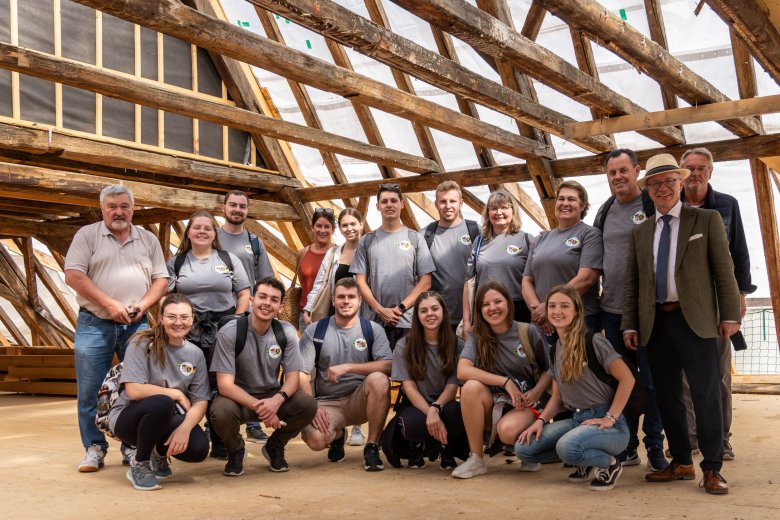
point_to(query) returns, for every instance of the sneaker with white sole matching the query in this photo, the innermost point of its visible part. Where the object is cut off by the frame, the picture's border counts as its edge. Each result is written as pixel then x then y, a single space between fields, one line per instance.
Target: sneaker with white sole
pixel 474 466
pixel 629 458
pixel 605 478
pixel 256 434
pixel 357 438
pixel 371 459
pixel 93 460
pixel 235 463
pixel 580 474
pixel 530 467
pixel 128 454
pixel 655 459
pixel 275 457
pixel 728 451
pixel 160 464
pixel 142 478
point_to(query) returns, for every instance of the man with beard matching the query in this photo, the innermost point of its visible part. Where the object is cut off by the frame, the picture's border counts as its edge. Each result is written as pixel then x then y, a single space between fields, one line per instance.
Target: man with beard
pixel 348 358
pixel 118 272
pixel 250 250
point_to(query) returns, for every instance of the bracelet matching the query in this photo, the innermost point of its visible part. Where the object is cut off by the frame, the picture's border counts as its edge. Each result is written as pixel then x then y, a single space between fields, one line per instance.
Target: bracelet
pixel 540 419
pixel 611 417
pixel 505 382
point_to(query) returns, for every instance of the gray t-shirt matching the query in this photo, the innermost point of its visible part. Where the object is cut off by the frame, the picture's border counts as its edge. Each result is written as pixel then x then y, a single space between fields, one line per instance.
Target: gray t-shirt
pixel 185 370
pixel 341 346
pixel 450 251
pixel 435 381
pixel 587 391
pixel 208 283
pixel 122 271
pixel 621 220
pixel 239 245
pixel 511 360
pixel 557 255
pixel 503 259
pixel 256 370
pixel 392 262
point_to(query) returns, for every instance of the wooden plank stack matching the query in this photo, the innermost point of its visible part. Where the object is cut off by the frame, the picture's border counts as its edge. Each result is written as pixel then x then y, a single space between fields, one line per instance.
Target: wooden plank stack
pixel 38 370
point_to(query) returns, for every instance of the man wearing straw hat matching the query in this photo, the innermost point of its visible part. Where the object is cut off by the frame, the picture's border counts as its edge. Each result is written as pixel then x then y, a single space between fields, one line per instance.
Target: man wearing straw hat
pixel 680 295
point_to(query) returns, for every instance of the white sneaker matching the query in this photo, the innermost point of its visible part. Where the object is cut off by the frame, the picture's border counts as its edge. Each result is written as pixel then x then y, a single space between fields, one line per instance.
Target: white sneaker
pixel 475 465
pixel 357 438
pixel 93 460
pixel 530 466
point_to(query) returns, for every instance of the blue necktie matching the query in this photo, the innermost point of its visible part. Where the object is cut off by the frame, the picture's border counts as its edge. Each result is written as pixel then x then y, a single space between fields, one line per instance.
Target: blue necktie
pixel 662 259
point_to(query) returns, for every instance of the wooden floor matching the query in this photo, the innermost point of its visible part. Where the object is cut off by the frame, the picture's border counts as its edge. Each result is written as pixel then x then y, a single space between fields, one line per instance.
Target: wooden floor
pixel 40 449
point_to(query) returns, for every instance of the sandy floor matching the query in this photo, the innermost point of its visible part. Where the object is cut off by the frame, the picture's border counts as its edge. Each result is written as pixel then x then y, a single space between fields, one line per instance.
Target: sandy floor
pixel 40 449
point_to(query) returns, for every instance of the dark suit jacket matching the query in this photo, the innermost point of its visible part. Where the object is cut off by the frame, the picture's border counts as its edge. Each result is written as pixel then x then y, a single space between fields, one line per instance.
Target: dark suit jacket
pixel 703 273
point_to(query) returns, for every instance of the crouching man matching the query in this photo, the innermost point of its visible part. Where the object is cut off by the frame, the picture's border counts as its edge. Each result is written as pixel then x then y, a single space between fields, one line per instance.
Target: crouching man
pixel 247 359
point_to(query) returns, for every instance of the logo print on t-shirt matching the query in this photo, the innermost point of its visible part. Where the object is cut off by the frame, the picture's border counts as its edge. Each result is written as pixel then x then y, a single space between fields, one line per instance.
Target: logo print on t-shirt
pixel 512 249
pixel 404 245
pixel 248 248
pixel 638 217
pixel 275 351
pixel 572 242
pixel 360 344
pixel 438 360
pixel 465 240
pixel 520 351
pixel 221 269
pixel 186 368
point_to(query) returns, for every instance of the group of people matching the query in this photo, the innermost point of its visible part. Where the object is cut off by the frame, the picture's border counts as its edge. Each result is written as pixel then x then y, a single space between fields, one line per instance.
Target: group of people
pixel 497 338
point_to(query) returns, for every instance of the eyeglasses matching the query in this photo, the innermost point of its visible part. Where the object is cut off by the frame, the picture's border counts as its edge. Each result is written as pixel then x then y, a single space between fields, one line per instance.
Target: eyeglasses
pixel 500 208
pixel 324 211
pixel 656 185
pixel 173 318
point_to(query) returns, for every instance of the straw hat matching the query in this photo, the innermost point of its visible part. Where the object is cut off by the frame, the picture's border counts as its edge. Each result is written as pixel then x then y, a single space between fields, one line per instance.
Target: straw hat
pixel 661 163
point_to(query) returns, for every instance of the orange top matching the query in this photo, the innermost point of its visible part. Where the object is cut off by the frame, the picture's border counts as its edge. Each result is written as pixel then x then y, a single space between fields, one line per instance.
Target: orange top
pixel 307 272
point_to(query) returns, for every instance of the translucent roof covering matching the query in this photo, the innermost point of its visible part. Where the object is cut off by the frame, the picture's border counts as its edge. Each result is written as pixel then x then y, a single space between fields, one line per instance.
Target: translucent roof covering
pixel 701 42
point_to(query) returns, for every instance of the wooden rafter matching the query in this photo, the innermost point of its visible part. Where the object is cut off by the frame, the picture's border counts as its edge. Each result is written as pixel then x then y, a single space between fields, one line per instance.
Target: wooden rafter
pixel 613 33
pixel 655 22
pixel 496 39
pixel 175 19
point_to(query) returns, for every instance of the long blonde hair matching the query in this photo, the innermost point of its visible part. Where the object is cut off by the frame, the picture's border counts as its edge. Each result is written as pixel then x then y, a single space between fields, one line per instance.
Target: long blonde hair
pixel 572 342
pixel 487 341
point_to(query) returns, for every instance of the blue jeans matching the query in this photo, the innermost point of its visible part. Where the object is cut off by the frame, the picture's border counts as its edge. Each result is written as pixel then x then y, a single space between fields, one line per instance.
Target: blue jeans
pixel 95 343
pixel 652 426
pixel 576 444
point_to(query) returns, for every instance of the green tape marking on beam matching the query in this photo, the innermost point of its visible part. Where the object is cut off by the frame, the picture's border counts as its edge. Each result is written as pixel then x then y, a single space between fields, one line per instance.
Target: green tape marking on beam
pixel 308 44
pixel 623 14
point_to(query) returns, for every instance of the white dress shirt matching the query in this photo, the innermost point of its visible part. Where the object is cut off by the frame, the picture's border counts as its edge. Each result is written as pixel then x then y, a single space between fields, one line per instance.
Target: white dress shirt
pixel 674 225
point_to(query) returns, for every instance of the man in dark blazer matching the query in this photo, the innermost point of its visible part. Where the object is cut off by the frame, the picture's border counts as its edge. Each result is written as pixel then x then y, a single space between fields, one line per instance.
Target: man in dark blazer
pixel 680 295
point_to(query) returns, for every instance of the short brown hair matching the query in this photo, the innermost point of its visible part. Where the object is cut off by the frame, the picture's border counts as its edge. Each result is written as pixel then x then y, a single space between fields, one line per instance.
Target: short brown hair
pixel 582 193
pixel 237 193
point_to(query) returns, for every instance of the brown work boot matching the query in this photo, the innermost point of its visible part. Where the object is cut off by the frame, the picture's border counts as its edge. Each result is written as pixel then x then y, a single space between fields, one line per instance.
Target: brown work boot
pixel 674 471
pixel 714 483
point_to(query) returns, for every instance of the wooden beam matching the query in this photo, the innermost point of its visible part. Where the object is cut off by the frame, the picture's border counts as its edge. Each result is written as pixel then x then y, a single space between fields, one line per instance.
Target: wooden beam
pixel 13 329
pixel 655 22
pixel 17 227
pixel 375 40
pixel 750 20
pixel 158 95
pixel 173 18
pixel 17 181
pixel 677 116
pixel 496 39
pixel 101 150
pixel 616 35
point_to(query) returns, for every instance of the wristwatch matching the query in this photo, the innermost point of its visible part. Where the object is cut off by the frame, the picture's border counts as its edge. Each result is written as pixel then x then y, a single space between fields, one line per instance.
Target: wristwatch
pixel 437 406
pixel 402 307
pixel 284 395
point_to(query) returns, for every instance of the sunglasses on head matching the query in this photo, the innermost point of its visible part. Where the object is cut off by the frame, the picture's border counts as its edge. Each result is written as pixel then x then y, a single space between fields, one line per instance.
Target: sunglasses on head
pixel 390 186
pixel 324 211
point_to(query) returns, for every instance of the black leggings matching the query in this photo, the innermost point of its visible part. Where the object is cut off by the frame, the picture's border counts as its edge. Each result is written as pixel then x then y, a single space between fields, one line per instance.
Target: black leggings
pixel 149 422
pixel 414 429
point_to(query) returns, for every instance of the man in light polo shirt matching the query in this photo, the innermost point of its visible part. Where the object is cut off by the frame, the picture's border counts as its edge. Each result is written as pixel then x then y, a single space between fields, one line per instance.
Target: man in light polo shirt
pixel 118 271
pixel 350 374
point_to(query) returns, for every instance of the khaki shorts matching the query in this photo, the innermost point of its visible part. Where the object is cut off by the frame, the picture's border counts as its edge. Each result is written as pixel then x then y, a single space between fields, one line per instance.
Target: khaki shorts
pixel 345 411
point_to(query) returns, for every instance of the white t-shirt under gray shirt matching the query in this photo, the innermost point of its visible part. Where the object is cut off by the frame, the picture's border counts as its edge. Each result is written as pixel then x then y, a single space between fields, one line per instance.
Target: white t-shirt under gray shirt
pixel 511 360
pixel 392 260
pixel 341 345
pixel 256 369
pixel 185 370
pixel 239 245
pixel 557 255
pixel 123 271
pixel 208 282
pixel 587 391
pixel 450 251
pixel 503 260
pixel 435 381
pixel 621 220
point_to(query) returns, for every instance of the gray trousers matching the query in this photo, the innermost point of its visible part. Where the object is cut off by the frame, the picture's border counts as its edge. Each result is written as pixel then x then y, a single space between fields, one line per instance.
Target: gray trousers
pixel 724 363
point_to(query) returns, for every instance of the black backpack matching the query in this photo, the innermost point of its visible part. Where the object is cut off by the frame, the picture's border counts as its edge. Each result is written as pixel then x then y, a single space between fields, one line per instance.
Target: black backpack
pixel 255 243
pixel 178 262
pixel 647 206
pixel 242 329
pixel 430 231
pixel 636 401
pixel 322 328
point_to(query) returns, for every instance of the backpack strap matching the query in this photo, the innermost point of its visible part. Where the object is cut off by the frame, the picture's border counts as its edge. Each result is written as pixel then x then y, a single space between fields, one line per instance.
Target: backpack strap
pixel 414 239
pixel 319 338
pixel 225 257
pixel 593 362
pixel 255 243
pixel 366 241
pixel 242 329
pixel 368 335
pixel 279 335
pixel 430 232
pixel 602 216
pixel 474 230
pixel 525 341
pixel 648 206
pixel 178 261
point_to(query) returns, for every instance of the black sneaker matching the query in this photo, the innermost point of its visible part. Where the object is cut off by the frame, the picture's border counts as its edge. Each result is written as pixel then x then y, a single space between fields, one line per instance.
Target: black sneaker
pixel 447 461
pixel 629 458
pixel 371 459
pixel 275 457
pixel 336 450
pixel 256 434
pixel 416 459
pixel 219 451
pixel 235 464
pixel 580 474
pixel 655 459
pixel 606 477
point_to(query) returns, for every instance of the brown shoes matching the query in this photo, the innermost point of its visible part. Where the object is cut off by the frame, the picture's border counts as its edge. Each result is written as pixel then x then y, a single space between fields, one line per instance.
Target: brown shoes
pixel 674 471
pixel 714 483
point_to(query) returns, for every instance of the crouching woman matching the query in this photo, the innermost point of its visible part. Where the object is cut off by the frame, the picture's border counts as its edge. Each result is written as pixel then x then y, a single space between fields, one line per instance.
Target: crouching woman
pixel 597 431
pixel 164 395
